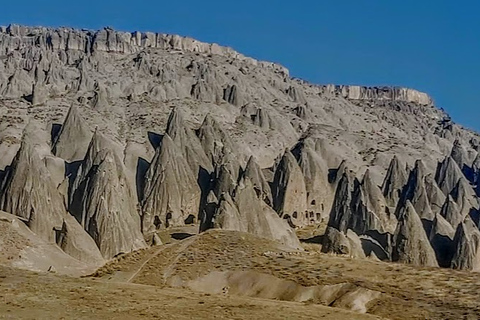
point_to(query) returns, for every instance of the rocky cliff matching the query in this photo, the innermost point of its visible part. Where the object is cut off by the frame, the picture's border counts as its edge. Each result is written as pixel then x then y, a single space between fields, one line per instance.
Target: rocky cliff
pixel 108 137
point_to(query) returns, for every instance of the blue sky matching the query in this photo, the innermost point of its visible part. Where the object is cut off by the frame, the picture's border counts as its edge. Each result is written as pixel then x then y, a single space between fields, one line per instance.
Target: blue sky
pixel 433 46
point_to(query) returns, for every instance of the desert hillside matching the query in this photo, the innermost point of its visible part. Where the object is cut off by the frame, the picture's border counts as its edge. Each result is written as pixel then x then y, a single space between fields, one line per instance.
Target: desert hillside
pixel 361 198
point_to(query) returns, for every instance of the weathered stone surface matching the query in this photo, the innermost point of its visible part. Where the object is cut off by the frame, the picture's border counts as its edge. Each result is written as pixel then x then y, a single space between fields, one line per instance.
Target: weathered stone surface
pixel 379 93
pixel 448 174
pixel 103 201
pixel 395 179
pixel 348 243
pixel 467 244
pixel 416 192
pixel 248 213
pixel 289 191
pixel 171 193
pixel 315 172
pixel 410 243
pixel 74 137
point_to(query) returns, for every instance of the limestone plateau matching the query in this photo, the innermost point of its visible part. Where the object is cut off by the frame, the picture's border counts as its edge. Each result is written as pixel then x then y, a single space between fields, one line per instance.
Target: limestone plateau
pixel 107 137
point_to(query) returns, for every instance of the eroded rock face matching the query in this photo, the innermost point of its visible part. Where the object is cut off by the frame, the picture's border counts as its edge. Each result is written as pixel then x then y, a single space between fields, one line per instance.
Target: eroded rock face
pixel 467 243
pixel 171 193
pixel 289 191
pixel 74 137
pixel 410 243
pixel 395 179
pixel 248 213
pixel 379 93
pixel 29 192
pixel 315 172
pixel 126 84
pixel 103 201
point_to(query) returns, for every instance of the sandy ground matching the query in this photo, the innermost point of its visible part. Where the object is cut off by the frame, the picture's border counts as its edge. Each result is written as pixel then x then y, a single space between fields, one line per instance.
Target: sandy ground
pixel 407 292
pixel 157 283
pixel 28 295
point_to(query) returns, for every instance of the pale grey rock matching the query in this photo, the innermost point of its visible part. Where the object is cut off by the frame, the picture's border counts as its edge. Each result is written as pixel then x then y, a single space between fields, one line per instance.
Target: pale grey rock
pixel 410 242
pixel 415 191
pixel 435 195
pixel 315 172
pixel 337 242
pixel 451 212
pixel 171 193
pixel 188 142
pixel 74 137
pixel 289 191
pixel 103 201
pixel 254 173
pixel 448 174
pixel 467 244
pixel 441 238
pixel 379 93
pixel 395 179
pixel 248 213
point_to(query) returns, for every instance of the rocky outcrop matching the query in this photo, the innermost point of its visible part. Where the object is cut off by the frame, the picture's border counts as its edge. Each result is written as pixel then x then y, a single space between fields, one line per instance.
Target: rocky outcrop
pixel 435 195
pixel 74 137
pixel 109 40
pixel 379 93
pixel 315 172
pixel 395 179
pixel 248 213
pixel 72 239
pixel 441 239
pixel 103 201
pixel 410 243
pixel 187 142
pixel 448 174
pixel 344 243
pixel 260 184
pixel 467 244
pixel 289 191
pixel 29 192
pixel 451 212
pixel 415 191
pixel 341 214
pixel 171 194
pixel 214 140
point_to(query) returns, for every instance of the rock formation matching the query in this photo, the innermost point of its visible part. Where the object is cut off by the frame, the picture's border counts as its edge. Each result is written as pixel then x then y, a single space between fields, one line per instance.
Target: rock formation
pixel 410 243
pixel 211 138
pixel 171 194
pixel 467 244
pixel 103 201
pixel 289 191
pixel 395 179
pixel 74 137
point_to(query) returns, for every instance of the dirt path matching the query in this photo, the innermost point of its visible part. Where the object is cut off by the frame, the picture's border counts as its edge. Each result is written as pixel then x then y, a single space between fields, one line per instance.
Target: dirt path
pixel 156 253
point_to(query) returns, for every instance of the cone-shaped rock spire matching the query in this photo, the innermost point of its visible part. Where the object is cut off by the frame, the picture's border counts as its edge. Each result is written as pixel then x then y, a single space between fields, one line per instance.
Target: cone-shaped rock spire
pixel 289 192
pixel 410 243
pixel 394 181
pixel 315 171
pixel 467 244
pixel 441 238
pixel 187 142
pixel 415 191
pixel 214 139
pixel 171 193
pixel 448 174
pixel 247 212
pixel 74 137
pixel 255 174
pixel 103 201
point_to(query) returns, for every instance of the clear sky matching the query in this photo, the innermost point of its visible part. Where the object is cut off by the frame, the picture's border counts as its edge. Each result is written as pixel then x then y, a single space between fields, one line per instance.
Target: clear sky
pixel 432 46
